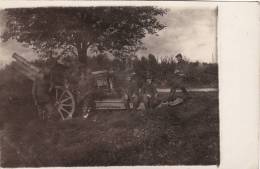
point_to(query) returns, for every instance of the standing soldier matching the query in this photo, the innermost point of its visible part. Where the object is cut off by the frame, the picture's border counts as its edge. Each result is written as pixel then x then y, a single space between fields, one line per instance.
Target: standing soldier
pixel 41 94
pixel 58 73
pixel 87 91
pixel 44 85
pixel 150 94
pixel 177 81
pixel 132 93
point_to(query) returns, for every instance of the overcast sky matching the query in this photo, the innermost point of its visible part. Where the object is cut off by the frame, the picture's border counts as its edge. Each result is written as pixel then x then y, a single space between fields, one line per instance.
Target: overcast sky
pixel 190 31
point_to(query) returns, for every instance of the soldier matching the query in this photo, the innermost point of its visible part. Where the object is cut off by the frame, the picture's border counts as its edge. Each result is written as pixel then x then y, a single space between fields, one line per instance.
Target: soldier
pixel 44 84
pixel 177 81
pixel 58 73
pixel 150 94
pixel 87 89
pixel 132 93
pixel 41 94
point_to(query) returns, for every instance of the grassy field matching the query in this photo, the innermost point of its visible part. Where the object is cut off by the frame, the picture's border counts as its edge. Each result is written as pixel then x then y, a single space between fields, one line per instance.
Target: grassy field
pixel 187 134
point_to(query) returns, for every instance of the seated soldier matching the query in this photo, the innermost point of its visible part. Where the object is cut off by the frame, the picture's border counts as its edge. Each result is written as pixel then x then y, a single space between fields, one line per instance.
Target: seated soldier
pixel 132 93
pixel 150 94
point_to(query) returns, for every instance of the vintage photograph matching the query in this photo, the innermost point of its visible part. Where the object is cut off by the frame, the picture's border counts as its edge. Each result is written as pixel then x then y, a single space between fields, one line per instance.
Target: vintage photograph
pixel 109 86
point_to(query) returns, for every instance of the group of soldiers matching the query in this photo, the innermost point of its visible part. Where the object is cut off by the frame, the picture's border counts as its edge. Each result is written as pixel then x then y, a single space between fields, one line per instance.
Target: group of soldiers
pixel 133 95
pixel 148 93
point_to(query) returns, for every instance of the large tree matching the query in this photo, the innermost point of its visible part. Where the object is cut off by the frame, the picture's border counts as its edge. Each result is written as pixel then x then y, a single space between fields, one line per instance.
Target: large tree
pixel 78 29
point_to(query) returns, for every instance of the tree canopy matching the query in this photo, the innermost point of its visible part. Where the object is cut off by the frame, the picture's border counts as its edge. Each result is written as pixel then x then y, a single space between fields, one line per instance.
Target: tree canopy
pixel 79 29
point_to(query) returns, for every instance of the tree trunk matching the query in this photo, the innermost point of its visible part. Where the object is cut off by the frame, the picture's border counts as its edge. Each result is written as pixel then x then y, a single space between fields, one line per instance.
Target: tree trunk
pixel 82 53
pixel 82 56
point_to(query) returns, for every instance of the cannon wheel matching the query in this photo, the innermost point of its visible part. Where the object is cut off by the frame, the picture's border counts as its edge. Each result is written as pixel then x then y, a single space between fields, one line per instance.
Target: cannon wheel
pixel 64 102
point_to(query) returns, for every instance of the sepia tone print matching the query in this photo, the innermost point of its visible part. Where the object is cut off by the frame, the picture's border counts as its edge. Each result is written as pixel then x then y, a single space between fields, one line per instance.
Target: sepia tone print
pixel 109 86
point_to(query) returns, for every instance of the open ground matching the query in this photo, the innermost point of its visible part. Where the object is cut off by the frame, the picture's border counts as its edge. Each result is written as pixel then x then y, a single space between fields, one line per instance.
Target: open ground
pixel 187 134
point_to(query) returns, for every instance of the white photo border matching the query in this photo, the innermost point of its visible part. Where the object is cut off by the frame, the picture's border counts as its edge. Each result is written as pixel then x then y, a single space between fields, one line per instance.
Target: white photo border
pixel 238 42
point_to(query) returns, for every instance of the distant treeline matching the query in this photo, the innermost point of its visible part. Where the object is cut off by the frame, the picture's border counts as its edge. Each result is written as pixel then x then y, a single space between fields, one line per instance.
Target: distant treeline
pixel 197 75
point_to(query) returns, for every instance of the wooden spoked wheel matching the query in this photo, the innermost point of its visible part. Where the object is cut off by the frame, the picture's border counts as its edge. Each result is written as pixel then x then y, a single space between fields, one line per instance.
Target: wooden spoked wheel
pixel 65 102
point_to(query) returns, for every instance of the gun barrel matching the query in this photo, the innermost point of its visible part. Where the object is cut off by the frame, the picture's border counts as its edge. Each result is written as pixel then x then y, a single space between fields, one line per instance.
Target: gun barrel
pixel 25 62
pixel 26 68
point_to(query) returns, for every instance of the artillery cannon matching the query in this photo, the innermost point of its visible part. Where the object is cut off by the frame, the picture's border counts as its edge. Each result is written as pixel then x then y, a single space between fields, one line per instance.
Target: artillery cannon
pixel 66 100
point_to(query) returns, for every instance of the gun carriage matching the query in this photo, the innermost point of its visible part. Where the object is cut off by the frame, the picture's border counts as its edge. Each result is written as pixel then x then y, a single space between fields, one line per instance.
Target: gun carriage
pixel 65 97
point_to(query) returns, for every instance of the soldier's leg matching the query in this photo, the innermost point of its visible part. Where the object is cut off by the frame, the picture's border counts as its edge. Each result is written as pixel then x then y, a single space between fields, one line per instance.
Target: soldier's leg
pixel 42 113
pixel 43 109
pixel 155 101
pixel 172 93
pixel 135 101
pixel 177 84
pixel 146 101
pixel 91 104
pixel 126 101
pixel 183 87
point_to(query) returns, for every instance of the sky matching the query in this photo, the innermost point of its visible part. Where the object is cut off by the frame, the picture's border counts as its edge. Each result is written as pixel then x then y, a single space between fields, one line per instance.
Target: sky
pixel 190 31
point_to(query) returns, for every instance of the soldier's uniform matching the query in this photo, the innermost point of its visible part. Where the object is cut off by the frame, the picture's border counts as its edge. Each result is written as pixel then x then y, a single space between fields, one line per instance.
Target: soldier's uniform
pixel 87 89
pixel 42 97
pixel 131 94
pixel 150 94
pixel 178 78
pixel 43 87
pixel 41 90
pixel 58 74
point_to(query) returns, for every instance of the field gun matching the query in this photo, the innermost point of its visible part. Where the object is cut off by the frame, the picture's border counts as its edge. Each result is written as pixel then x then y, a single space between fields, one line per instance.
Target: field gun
pixel 63 99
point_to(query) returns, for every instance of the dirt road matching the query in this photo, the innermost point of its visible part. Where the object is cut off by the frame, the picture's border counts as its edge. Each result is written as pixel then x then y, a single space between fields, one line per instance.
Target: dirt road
pixel 167 90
